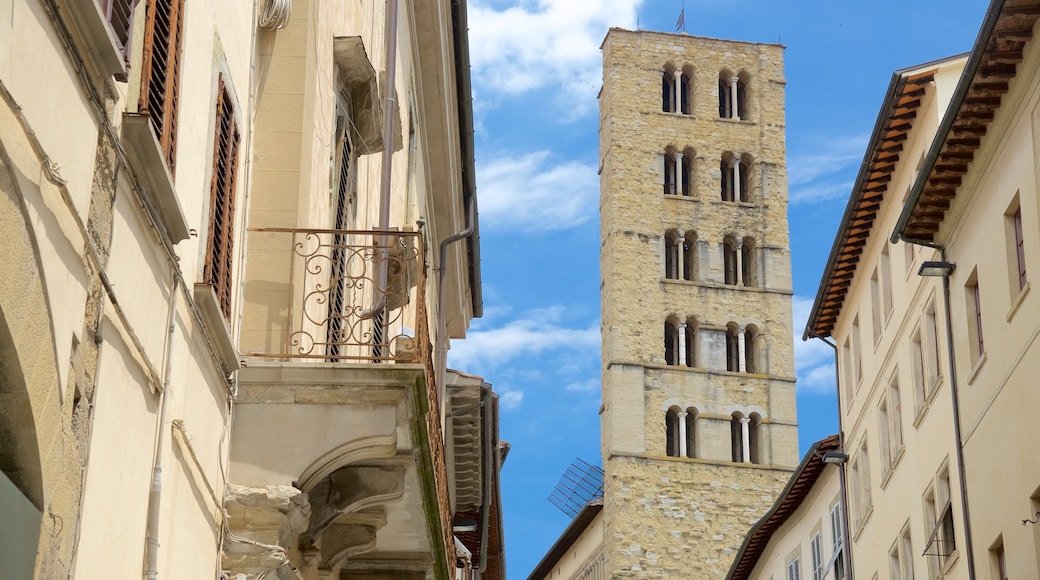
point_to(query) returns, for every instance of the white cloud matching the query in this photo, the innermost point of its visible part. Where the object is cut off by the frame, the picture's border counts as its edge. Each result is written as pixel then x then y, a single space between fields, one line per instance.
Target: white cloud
pixel 539 332
pixel 532 44
pixel 823 173
pixel 535 192
pixel 510 399
pixel 813 359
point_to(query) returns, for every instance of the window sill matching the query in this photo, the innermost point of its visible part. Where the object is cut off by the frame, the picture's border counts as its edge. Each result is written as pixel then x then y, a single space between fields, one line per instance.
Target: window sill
pixel 862 525
pixel 1018 302
pixel 975 369
pixel 735 121
pixel 101 44
pixel 933 388
pixel 892 468
pixel 951 561
pixel 149 165
pixel 679 196
pixel 919 417
pixel 215 326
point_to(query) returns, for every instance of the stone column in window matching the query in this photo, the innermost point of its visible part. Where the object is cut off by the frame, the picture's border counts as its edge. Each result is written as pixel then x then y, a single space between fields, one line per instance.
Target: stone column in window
pixel 682 344
pixel 676 107
pixel 745 431
pixel 682 432
pixel 733 98
pixel 739 257
pixel 741 352
pixel 735 164
pixel 677 182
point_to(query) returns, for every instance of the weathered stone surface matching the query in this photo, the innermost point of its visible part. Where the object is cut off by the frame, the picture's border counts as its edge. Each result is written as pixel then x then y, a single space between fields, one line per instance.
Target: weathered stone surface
pixel 677 516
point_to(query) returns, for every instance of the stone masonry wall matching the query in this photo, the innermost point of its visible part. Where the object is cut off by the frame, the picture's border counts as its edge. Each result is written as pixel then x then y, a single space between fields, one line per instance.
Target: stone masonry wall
pixel 685 517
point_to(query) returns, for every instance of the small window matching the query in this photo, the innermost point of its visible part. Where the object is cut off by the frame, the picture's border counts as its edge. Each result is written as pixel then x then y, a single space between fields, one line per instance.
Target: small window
pixel 848 375
pixel 736 431
pixel 728 167
pixel 794 570
pixel 671 343
pixel 691 432
pixel 685 91
pixel 754 438
pixel 671 256
pixel 220 239
pixel 974 309
pixel 670 173
pixel 938 511
pixel 996 554
pixel 686 171
pixel 1016 247
pixel 119 15
pixel 857 353
pixel 816 552
pixel 668 91
pixel 875 304
pixel 672 432
pixel 732 348
pixel 920 388
pixel 691 330
pixel 838 542
pixel 729 260
pixel 885 265
pixel 748 263
pixel 900 557
pixel 690 262
pixel 160 72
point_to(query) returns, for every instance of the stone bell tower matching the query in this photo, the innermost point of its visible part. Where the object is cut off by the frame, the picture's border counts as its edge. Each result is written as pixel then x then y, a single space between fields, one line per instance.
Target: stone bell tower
pixel 699 431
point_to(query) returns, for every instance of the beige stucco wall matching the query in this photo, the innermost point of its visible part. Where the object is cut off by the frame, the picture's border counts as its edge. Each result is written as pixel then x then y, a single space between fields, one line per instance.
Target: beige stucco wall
pixel 897 491
pixel 998 396
pixel 680 517
pixel 584 557
pixel 793 539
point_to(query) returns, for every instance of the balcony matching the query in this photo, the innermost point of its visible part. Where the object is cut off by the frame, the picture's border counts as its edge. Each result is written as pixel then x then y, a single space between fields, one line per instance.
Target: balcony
pixel 337 399
pixel 336 296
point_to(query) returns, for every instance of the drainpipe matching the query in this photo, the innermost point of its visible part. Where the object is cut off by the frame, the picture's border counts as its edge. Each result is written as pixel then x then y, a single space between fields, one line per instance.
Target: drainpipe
pixel 442 340
pixel 151 571
pixel 969 551
pixel 846 552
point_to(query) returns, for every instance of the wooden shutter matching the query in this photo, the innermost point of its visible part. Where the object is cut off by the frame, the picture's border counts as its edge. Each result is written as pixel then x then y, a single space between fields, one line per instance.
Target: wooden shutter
pixel 160 72
pixel 222 200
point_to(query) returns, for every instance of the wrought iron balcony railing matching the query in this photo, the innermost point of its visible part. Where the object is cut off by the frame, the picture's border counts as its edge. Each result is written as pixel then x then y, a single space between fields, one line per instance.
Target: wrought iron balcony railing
pixel 346 295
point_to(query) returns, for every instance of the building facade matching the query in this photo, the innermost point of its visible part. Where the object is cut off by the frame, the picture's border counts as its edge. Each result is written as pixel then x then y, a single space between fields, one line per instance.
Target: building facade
pixel 802 535
pixel 699 430
pixel 930 261
pixel 241 237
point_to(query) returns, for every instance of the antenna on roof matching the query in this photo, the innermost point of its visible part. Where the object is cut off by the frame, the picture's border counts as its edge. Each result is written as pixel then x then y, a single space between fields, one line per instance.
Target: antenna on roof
pixel 581 483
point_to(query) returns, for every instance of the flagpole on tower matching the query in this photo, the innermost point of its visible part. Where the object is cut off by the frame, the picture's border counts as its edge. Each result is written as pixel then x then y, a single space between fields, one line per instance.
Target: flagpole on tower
pixel 680 25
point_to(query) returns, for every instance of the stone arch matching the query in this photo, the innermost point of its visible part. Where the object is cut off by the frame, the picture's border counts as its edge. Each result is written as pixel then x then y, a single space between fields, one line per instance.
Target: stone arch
pixel 27 342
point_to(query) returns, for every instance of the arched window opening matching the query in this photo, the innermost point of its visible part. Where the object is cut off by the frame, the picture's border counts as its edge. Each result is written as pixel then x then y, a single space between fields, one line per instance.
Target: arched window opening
pixel 671 425
pixel 671 343
pixel 691 432
pixel 743 169
pixel 689 256
pixel 671 173
pixel 754 438
pixel 726 183
pixel 691 342
pixel 729 260
pixel 725 96
pixel 748 263
pixel 751 362
pixel 741 95
pixel 668 90
pixel 687 173
pixel 736 432
pixel 732 348
pixel 686 90
pixel 671 256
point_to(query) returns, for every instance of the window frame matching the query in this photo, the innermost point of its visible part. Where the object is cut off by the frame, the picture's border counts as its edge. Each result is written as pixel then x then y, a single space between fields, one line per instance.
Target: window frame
pixel 219 261
pixel 162 109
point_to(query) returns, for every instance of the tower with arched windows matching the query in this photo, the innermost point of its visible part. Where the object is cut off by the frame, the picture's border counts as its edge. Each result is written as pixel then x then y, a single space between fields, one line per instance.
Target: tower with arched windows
pixel 699 432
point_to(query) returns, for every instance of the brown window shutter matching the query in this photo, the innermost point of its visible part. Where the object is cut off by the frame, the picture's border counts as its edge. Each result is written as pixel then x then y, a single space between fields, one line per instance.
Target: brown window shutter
pixel 160 73
pixel 222 200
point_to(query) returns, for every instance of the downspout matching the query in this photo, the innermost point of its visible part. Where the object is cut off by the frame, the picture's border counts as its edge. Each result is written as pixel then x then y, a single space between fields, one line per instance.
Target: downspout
pixel 151 571
pixel 846 552
pixel 388 157
pixel 969 550
pixel 441 349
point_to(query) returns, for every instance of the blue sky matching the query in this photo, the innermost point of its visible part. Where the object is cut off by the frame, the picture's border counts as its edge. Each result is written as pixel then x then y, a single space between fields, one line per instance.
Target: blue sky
pixel 536 73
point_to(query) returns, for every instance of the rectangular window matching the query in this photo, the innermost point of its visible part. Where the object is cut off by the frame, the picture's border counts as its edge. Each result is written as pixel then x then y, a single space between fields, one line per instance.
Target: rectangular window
pixel 974 310
pixel 864 466
pixel 886 283
pixel 895 423
pixel 1016 247
pixel 908 255
pixel 118 13
pixel 938 509
pixel 857 353
pixel 885 432
pixel 160 72
pixel 999 561
pixel 917 355
pixel 931 336
pixel 220 240
pixel 816 551
pixel 794 570
pixel 906 553
pixel 838 543
pixel 849 374
pixel 875 304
